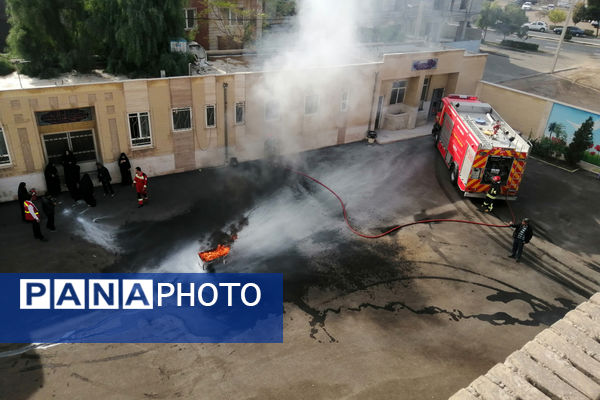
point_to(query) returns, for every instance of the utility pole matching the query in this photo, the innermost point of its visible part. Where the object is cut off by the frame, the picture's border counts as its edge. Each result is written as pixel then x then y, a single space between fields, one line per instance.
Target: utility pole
pixel 562 35
pixel 467 17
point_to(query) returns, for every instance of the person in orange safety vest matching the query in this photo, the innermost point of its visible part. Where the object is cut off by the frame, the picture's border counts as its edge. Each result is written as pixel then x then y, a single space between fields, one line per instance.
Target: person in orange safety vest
pixel 140 182
pixel 32 216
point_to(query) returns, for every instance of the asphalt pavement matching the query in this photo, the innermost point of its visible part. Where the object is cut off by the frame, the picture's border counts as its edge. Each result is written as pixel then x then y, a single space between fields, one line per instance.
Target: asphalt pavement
pixel 421 312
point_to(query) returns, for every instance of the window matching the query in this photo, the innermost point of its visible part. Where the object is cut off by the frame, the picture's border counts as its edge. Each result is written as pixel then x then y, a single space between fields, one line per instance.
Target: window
pixel 4 156
pixel 311 104
pixel 211 120
pixel 424 92
pixel 182 119
pixel 398 89
pixel 344 102
pixel 139 128
pixel 190 18
pixel 271 111
pixel 463 4
pixel 239 113
pixel 231 16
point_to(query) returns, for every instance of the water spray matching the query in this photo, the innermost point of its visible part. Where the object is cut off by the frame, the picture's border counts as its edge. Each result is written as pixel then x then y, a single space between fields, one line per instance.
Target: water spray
pixel 398 227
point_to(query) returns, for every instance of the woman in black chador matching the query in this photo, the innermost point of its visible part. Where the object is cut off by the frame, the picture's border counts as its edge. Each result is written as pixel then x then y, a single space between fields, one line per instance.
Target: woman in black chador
pixel 23 194
pixel 52 179
pixel 71 168
pixel 125 168
pixel 86 188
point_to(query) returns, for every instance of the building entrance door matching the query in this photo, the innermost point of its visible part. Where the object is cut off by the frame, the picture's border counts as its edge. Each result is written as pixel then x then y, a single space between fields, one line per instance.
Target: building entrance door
pixel 81 143
pixel 436 101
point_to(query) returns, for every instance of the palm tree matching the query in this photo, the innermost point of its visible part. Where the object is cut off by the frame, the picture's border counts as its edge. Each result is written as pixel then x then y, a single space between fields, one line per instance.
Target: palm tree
pixel 556 128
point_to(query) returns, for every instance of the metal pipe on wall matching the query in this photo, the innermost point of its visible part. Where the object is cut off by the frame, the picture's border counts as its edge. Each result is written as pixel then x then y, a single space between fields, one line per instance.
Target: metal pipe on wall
pixel 225 85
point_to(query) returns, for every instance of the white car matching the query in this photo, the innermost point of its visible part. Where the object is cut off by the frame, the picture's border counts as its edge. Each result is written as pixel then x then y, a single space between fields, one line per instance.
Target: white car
pixel 526 6
pixel 539 26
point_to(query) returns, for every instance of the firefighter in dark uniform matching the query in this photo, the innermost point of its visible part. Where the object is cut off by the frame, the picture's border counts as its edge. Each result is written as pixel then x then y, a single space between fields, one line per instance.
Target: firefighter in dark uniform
pixel 488 204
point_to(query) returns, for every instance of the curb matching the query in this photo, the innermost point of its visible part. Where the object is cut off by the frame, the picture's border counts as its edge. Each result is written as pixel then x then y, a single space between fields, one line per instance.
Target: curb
pixel 567 41
pixel 554 165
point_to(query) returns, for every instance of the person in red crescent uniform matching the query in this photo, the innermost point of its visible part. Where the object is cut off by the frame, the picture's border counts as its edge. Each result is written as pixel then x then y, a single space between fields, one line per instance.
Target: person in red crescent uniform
pixel 140 182
pixel 32 216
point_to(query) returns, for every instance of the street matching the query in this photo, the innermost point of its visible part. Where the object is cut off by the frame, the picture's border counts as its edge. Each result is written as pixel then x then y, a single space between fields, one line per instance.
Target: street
pixel 421 312
pixel 505 64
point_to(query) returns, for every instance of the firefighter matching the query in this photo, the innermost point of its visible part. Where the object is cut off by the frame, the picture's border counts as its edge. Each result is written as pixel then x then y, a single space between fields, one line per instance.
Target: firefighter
pixel 488 204
pixel 32 216
pixel 141 186
pixel 522 234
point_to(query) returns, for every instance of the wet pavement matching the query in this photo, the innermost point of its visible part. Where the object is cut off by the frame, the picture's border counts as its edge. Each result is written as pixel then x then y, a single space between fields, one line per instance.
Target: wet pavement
pixel 422 312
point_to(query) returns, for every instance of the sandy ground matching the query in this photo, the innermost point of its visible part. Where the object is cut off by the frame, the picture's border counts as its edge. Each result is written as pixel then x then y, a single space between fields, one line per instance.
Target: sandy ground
pixel 416 315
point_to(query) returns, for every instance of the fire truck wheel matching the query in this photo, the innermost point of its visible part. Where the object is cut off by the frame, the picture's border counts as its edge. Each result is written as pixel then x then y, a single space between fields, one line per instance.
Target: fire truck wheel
pixel 453 174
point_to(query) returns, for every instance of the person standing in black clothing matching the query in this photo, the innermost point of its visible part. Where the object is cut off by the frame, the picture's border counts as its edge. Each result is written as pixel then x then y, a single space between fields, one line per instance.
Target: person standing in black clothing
pixel 125 168
pixel 52 179
pixel 22 195
pixel 86 188
pixel 48 206
pixel 522 234
pixel 105 178
pixel 71 173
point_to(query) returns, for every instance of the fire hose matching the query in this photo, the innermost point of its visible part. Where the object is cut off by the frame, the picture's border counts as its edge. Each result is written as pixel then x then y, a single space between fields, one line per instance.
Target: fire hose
pixel 398 227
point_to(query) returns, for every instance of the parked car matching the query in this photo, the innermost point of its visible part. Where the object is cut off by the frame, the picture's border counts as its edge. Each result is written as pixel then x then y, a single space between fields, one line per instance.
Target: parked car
pixel 526 6
pixel 539 26
pixel 595 24
pixel 550 6
pixel 573 30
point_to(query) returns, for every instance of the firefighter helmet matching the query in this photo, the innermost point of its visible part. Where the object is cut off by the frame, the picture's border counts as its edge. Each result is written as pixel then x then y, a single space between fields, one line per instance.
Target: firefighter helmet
pixel 496 178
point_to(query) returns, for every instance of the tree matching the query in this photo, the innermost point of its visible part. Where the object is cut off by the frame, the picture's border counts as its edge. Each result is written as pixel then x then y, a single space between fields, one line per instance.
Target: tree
pixel 593 12
pixel 510 20
pixel 557 16
pixel 582 140
pixel 579 13
pixel 283 8
pixel 134 35
pixel 490 13
pixel 557 129
pixel 49 34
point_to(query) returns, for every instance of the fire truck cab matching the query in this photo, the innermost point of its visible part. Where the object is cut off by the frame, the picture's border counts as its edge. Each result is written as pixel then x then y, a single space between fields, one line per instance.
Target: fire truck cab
pixel 477 144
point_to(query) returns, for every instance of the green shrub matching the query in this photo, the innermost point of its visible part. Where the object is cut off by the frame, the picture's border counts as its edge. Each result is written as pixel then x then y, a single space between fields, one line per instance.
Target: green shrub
pixel 591 158
pixel 568 36
pixel 589 32
pixel 5 66
pixel 542 147
pixel 547 147
pixel 515 44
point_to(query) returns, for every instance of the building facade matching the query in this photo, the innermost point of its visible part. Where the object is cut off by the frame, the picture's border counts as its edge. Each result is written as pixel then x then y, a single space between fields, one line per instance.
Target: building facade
pixel 217 27
pixel 171 125
pixel 436 21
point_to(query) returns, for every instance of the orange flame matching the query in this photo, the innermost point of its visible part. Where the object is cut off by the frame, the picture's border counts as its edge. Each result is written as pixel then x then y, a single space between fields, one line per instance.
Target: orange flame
pixel 210 255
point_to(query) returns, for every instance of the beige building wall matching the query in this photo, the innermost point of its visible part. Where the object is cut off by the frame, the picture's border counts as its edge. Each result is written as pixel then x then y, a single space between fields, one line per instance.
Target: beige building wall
pixel 346 102
pixel 455 72
pixel 524 112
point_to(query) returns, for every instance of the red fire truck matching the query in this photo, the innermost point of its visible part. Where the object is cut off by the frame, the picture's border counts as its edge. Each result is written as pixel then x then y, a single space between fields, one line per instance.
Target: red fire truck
pixel 477 144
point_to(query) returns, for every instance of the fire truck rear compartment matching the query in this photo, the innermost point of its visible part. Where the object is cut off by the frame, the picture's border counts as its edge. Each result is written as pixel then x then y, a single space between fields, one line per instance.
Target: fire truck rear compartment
pixel 497 165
